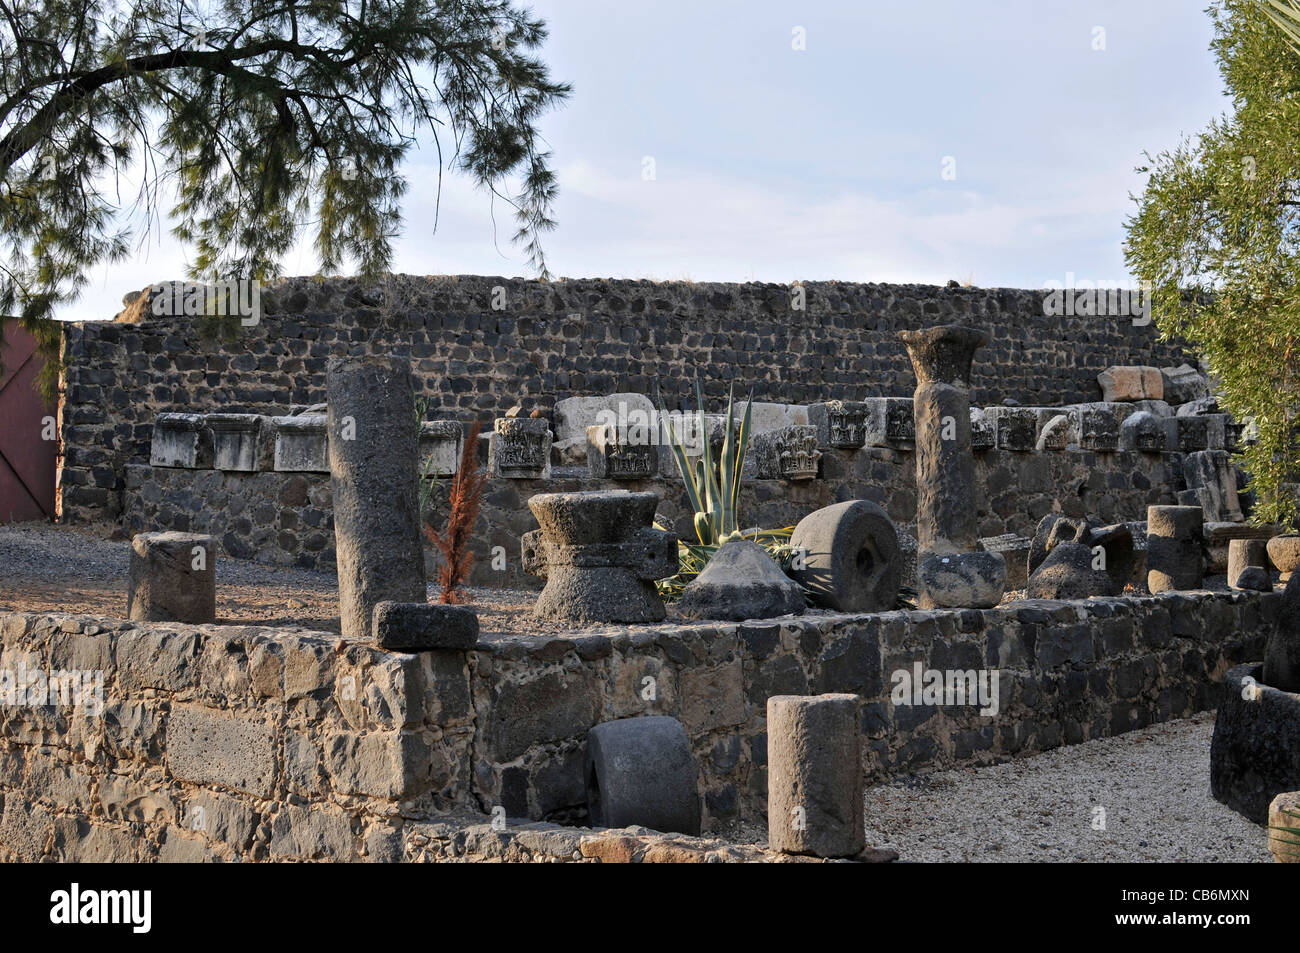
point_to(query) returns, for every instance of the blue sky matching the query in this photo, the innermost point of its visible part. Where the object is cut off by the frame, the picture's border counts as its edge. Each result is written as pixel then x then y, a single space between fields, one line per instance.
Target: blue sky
pixel 775 164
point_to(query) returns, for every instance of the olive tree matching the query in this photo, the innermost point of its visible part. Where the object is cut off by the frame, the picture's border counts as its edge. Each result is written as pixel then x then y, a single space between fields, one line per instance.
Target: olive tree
pixel 1215 233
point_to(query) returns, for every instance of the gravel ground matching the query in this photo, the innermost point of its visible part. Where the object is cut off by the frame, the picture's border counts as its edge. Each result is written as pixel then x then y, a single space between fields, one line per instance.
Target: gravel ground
pixel 1154 785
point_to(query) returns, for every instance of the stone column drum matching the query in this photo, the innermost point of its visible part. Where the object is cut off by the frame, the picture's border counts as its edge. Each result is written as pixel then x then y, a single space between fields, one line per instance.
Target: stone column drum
pixel 373 456
pixel 599 556
pixel 1175 548
pixel 952 574
pixel 814 775
pixel 173 578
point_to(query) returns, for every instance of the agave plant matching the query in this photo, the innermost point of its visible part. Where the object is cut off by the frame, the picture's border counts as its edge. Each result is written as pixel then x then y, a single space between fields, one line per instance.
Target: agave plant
pixel 714 495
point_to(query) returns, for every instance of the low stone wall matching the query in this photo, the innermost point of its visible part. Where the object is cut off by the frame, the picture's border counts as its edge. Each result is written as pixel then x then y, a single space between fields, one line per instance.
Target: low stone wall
pixel 285 518
pixel 236 742
pixel 225 743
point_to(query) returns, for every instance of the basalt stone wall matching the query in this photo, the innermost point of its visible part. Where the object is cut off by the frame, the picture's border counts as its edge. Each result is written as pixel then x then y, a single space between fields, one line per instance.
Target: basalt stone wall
pixel 286 518
pixel 225 743
pixel 249 743
pixel 548 341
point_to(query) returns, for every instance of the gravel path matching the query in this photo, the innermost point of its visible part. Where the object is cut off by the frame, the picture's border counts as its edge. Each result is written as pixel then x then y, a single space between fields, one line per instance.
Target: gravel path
pixel 1154 785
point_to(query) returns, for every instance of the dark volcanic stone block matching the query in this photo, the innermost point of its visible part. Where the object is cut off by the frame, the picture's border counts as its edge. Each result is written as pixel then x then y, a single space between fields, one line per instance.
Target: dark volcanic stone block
pixel 1255 754
pixel 417 626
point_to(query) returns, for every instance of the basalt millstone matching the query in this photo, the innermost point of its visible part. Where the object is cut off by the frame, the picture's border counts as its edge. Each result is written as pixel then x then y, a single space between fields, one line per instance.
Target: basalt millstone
pixel 640 772
pixel 599 556
pixel 850 557
pixel 374 446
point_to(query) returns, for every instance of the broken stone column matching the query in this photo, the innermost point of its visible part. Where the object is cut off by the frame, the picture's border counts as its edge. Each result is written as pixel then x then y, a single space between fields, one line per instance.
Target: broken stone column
pixel 1248 564
pixel 952 574
pixel 1175 548
pixel 374 445
pixel 172 578
pixel 599 555
pixel 814 775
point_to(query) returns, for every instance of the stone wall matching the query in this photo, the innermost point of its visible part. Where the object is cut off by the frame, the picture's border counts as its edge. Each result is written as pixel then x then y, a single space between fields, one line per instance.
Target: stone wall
pixel 554 340
pixel 285 518
pixel 264 744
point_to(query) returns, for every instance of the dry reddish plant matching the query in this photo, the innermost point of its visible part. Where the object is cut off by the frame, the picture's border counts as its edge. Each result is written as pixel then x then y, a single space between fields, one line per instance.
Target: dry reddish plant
pixel 453 544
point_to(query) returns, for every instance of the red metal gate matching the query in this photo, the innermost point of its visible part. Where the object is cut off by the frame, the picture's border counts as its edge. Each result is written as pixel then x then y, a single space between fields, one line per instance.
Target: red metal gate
pixel 28 455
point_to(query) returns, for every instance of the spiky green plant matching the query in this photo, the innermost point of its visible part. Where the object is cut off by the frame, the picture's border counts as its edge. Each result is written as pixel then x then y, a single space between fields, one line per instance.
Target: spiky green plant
pixel 714 494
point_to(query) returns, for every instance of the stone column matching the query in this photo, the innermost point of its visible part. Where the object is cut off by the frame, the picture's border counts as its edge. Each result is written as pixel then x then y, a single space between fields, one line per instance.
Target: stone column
pixel 952 574
pixel 814 775
pixel 373 457
pixel 172 578
pixel 1175 548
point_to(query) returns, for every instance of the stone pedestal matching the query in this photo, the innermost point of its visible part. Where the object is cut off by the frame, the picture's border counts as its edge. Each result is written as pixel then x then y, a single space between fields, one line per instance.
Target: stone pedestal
pixel 952 574
pixel 1175 548
pixel 181 440
pixel 172 578
pixel 814 775
pixel 373 456
pixel 599 556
